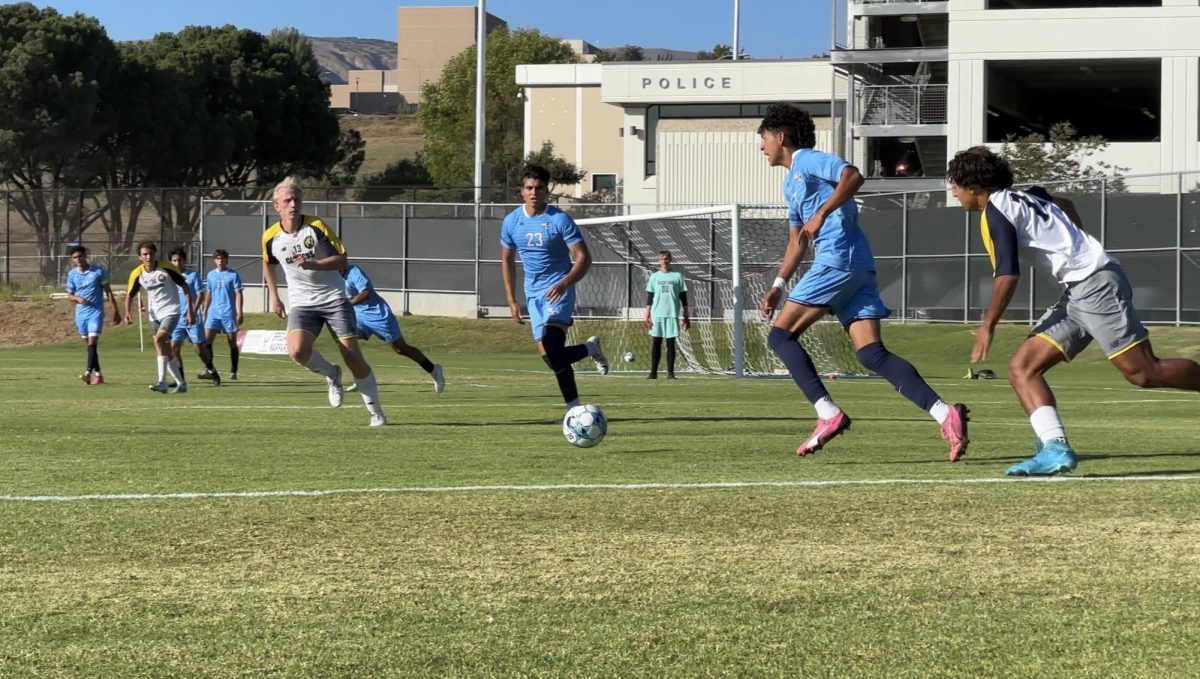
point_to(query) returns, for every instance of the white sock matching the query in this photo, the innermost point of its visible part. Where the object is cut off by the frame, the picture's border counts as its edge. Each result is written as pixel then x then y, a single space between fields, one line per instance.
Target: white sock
pixel 318 364
pixel 826 408
pixel 176 373
pixel 369 392
pixel 940 411
pixel 162 369
pixel 1047 425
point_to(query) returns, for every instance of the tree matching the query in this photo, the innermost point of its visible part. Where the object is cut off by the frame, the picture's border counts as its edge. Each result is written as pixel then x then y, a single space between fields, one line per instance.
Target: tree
pixel 720 51
pixel 1063 159
pixel 562 171
pixel 396 180
pixel 56 75
pixel 447 113
pixel 623 53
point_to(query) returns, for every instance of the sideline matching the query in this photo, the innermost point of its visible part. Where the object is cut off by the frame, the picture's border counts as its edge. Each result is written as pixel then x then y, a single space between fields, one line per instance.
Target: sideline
pixel 719 485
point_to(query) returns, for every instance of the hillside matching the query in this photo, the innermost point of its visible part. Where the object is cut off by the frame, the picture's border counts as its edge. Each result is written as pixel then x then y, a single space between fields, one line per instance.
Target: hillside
pixel 339 55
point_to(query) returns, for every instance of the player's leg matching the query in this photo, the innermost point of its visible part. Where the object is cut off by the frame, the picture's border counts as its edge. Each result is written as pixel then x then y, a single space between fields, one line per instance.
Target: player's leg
pixel 417 356
pixel 1142 368
pixel 656 342
pixel 1057 337
pixel 341 321
pixel 81 326
pixel 196 335
pixel 560 358
pixel 670 330
pixel 670 358
pixel 234 354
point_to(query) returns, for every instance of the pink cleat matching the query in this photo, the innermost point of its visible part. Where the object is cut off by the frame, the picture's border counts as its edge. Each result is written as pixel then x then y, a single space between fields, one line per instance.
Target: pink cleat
pixel 824 433
pixel 954 430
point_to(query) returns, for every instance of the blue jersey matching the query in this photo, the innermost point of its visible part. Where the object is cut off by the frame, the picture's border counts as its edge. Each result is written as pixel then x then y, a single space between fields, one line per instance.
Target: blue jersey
pixel 223 287
pixel 90 286
pixel 544 243
pixel 809 183
pixel 373 308
pixel 196 284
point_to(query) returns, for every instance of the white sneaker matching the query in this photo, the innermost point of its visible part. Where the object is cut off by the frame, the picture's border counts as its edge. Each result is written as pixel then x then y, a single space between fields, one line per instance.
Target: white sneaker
pixel 160 387
pixel 378 420
pixel 593 347
pixel 335 387
pixel 439 378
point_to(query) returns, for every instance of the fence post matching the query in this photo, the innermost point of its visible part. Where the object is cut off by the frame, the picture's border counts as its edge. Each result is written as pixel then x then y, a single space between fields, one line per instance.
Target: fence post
pixel 1178 249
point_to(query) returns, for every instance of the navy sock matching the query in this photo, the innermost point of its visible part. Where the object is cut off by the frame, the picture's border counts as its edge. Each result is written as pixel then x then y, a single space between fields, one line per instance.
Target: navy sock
pixel 671 356
pixel 233 358
pixel 427 365
pixel 900 373
pixel 93 361
pixel 655 354
pixel 798 362
pixel 558 357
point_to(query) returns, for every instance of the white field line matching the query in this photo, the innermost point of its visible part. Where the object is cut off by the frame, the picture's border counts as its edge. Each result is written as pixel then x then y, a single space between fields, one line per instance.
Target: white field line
pixel 719 485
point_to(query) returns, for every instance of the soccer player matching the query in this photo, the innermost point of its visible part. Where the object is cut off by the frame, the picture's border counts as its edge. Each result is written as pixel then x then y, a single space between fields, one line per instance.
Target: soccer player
pixel 222 308
pixel 819 190
pixel 548 240
pixel 374 317
pixel 312 257
pixel 1097 300
pixel 164 287
pixel 666 299
pixel 87 285
pixel 192 332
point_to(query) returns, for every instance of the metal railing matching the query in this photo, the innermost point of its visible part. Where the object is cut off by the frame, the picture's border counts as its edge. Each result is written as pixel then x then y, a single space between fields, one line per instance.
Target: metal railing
pixel 903 104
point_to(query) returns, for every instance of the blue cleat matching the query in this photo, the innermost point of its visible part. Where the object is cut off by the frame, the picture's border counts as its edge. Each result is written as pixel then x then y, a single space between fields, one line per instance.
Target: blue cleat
pixel 1055 457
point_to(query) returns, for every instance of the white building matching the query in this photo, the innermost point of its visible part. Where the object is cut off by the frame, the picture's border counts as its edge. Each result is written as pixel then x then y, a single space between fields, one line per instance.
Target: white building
pixel 914 81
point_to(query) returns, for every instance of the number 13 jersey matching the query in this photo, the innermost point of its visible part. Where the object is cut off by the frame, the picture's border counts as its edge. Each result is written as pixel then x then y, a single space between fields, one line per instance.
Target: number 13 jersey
pixel 312 241
pixel 1029 220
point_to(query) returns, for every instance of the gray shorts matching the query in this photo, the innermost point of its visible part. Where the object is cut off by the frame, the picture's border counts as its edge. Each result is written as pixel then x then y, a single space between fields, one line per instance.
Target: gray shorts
pixel 339 316
pixel 164 325
pixel 1099 306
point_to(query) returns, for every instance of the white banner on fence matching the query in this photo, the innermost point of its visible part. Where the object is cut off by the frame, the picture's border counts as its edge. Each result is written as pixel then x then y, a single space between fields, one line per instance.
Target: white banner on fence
pixel 262 342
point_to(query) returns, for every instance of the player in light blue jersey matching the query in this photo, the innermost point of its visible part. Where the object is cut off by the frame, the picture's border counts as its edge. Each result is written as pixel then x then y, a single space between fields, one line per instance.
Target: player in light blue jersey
pixel 666 301
pixel 87 286
pixel 375 318
pixel 222 308
pixel 548 240
pixel 194 331
pixel 819 189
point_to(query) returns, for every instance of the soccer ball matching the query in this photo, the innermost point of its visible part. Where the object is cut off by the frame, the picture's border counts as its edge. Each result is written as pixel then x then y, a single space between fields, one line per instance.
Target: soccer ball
pixel 629 357
pixel 585 425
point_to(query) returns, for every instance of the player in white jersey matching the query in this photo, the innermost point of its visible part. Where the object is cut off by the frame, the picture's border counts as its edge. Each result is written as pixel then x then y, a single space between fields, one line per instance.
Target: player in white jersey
pixel 1097 300
pixel 163 284
pixel 312 258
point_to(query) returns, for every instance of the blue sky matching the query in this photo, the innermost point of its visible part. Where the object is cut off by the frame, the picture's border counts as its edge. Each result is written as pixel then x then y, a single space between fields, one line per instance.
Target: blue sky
pixel 769 28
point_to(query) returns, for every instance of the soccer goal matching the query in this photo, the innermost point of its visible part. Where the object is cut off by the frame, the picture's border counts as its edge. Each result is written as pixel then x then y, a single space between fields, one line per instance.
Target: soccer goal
pixel 729 256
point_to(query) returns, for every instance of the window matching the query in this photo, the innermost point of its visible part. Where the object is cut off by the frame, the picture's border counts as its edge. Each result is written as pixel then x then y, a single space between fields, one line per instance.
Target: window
pixel 604 182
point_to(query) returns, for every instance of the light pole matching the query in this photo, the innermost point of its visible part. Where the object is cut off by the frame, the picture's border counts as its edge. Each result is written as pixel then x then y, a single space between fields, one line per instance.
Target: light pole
pixel 737 15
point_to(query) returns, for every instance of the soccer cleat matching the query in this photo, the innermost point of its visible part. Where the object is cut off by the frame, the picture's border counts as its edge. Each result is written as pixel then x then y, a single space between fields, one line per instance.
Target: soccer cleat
pixel 160 387
pixel 824 433
pixel 652 376
pixel 670 376
pixel 439 378
pixel 1037 445
pixel 180 388
pixel 97 378
pixel 335 387
pixel 206 375
pixel 233 376
pixel 216 379
pixel 86 378
pixel 954 431
pixel 1055 457
pixel 378 420
pixel 593 349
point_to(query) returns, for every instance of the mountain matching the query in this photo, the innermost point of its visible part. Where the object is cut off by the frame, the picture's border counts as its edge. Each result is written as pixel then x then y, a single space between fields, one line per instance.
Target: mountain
pixel 339 55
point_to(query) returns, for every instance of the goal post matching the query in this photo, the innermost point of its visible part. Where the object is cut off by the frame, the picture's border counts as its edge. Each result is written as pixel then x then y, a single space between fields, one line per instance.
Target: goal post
pixel 728 255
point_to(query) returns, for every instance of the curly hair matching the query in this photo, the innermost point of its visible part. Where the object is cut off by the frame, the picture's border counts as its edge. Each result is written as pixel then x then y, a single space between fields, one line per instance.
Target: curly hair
pixel 794 122
pixel 979 166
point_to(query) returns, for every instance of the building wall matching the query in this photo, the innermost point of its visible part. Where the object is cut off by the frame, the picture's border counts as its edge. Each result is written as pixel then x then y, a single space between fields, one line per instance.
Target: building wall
pixel 978 36
pixel 427 38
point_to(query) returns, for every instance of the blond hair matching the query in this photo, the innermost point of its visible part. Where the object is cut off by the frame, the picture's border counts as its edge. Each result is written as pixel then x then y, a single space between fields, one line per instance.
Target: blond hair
pixel 287 183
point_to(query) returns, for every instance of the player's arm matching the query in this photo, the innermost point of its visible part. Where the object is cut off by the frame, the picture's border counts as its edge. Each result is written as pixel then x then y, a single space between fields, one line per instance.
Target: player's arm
pixel 237 301
pixel 582 261
pixel 687 319
pixel 649 303
pixel 131 292
pixel 113 300
pixel 189 314
pixel 206 299
pixel 848 184
pixel 797 247
pixel 335 253
pixel 1003 235
pixel 508 271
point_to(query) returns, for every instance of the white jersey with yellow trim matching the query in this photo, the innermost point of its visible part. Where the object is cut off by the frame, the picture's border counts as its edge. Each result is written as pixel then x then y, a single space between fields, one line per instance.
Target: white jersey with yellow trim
pixel 313 240
pixel 1029 221
pixel 163 289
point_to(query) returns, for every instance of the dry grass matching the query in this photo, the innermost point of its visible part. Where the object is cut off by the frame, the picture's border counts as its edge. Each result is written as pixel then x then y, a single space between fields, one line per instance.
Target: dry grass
pixel 389 139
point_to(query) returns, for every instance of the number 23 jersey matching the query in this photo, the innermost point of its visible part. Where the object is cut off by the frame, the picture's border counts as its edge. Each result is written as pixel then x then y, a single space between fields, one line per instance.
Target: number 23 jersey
pixel 544 242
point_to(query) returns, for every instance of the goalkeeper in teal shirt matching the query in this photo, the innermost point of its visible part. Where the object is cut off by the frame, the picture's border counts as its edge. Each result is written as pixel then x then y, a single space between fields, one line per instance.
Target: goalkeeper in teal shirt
pixel 666 304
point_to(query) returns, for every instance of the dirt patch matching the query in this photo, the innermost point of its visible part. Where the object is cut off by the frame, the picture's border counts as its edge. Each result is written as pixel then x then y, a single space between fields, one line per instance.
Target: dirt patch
pixel 30 323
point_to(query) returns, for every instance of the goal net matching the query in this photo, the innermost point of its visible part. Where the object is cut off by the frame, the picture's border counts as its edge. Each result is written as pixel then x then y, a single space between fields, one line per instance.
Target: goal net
pixel 729 256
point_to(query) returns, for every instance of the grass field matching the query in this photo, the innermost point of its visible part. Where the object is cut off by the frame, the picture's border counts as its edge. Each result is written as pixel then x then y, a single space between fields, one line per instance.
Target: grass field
pixel 250 530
